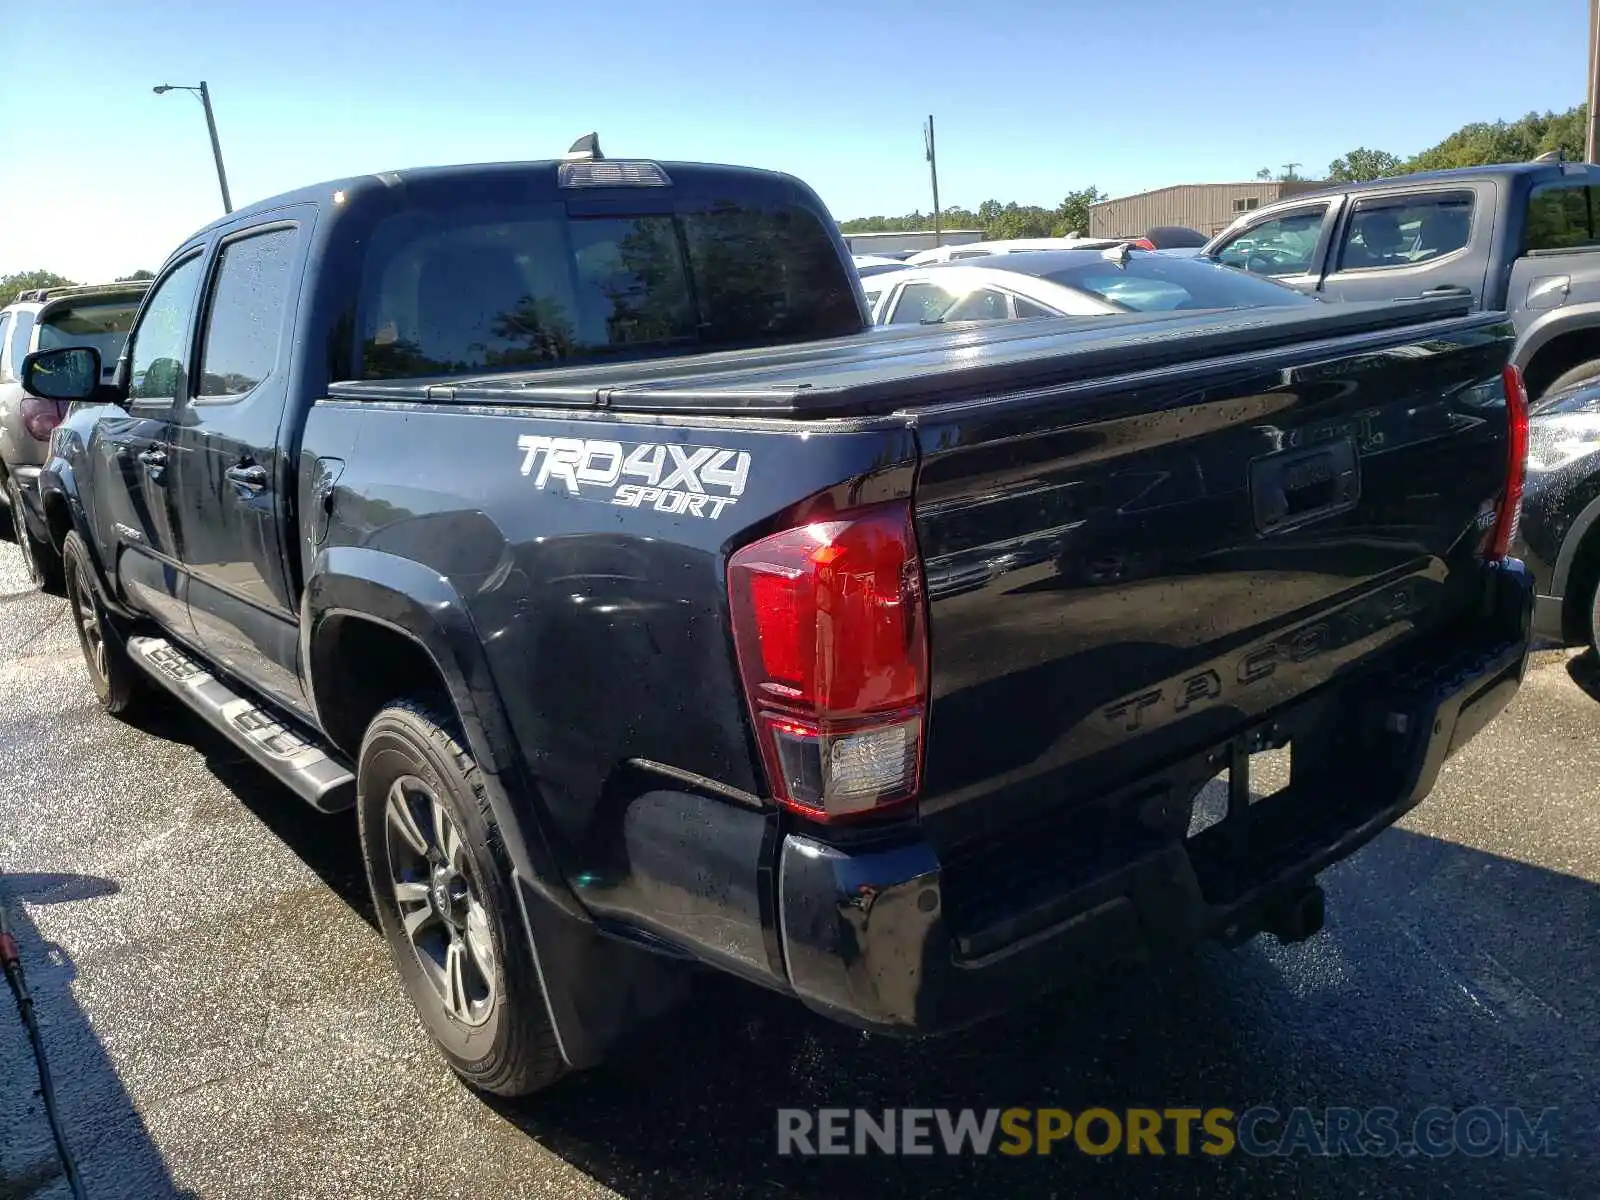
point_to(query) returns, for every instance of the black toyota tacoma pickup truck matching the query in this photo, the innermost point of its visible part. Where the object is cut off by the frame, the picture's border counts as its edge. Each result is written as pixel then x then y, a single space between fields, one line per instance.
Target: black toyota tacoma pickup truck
pixel 569 522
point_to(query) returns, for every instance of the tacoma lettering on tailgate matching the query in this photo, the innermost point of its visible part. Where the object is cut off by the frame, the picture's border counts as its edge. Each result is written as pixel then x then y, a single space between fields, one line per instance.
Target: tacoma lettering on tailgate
pixel 697 481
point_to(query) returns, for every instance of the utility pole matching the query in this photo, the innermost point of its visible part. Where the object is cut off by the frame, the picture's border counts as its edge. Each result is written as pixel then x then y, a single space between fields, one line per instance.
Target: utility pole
pixel 1591 143
pixel 1288 168
pixel 933 171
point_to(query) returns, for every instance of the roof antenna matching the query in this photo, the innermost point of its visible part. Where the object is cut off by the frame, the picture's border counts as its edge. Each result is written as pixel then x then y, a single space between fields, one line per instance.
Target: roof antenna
pixel 586 147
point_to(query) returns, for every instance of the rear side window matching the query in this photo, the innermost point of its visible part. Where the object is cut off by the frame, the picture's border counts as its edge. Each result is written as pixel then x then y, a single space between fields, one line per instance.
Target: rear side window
pixel 5 366
pixel 921 304
pixel 1405 232
pixel 1561 216
pixel 103 324
pixel 479 288
pixel 21 337
pixel 245 319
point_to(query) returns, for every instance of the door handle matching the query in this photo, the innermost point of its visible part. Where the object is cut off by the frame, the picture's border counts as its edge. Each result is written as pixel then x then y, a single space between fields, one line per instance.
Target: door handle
pixel 251 477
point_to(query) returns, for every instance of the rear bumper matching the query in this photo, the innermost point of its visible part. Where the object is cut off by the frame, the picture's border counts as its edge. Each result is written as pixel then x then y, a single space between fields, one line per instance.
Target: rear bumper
pixel 886 936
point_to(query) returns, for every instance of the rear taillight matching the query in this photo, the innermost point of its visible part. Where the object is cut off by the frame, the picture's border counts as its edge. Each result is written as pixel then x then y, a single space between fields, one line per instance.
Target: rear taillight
pixel 830 627
pixel 1508 512
pixel 40 416
pixel 1142 244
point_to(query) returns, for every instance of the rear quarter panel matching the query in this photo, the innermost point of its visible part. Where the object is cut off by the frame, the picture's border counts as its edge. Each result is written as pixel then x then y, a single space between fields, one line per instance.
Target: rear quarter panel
pixel 601 613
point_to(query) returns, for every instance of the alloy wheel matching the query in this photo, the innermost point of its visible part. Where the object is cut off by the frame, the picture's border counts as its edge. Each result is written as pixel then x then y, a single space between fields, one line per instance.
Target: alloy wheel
pixel 90 635
pixel 440 901
pixel 19 526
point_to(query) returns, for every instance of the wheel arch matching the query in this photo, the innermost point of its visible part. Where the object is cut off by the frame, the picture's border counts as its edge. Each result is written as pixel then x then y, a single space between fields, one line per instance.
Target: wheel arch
pixel 1577 569
pixel 359 599
pixel 1556 343
pixel 64 513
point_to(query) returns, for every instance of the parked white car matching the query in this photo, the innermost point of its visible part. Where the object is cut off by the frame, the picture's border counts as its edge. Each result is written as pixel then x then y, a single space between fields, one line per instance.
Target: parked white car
pixel 972 250
pixel 873 264
pixel 1056 283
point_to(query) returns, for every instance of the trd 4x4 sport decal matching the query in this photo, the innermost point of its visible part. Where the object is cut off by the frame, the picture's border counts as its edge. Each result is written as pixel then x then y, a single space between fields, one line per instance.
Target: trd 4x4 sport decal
pixel 697 481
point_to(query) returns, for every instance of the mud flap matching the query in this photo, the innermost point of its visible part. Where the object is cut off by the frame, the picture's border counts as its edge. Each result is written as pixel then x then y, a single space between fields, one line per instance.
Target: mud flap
pixel 598 989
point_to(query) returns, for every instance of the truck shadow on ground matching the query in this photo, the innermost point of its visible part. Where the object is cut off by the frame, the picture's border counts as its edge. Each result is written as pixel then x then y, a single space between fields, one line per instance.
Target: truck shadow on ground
pixel 1430 986
pixel 1412 997
pixel 1585 672
pixel 329 844
pixel 108 1141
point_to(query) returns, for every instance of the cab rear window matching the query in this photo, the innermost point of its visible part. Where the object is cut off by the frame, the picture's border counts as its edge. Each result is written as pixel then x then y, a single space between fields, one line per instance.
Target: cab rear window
pixel 1561 216
pixel 480 288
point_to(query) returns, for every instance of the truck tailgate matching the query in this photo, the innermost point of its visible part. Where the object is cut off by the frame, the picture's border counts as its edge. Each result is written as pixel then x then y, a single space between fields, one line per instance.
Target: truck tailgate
pixel 1124 571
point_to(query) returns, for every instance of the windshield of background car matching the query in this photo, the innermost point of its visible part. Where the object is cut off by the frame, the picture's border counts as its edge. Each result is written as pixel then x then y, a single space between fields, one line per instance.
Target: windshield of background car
pixel 1159 283
pixel 486 288
pixel 100 323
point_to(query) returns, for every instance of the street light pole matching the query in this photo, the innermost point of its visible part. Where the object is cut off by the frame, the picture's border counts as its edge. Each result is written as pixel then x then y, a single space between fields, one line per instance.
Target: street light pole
pixel 933 171
pixel 1592 126
pixel 211 127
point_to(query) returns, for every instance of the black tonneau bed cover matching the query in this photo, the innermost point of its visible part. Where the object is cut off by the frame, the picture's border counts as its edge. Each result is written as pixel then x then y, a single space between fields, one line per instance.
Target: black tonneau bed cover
pixel 887 368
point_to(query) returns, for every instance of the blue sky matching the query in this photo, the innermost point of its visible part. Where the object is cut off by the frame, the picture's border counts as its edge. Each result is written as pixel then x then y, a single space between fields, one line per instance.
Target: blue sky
pixel 1032 98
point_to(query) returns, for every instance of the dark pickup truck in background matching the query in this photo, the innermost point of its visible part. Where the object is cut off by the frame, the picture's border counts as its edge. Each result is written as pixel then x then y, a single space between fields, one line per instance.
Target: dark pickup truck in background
pixel 570 522
pixel 1519 238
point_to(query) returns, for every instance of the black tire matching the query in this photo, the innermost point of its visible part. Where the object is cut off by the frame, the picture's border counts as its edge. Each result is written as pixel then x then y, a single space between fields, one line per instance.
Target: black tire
pixel 1577 374
pixel 442 888
pixel 1594 618
pixel 116 680
pixel 40 558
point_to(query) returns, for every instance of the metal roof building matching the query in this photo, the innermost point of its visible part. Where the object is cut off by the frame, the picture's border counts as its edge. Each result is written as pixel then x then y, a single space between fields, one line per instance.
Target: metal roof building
pixel 1206 207
pixel 873 243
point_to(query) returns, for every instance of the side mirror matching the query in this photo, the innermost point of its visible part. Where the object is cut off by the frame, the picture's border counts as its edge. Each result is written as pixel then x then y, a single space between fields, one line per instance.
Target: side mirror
pixel 67 373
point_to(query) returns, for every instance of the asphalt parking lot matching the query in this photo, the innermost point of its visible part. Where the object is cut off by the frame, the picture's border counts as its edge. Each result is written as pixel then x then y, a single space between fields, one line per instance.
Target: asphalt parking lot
pixel 224 1022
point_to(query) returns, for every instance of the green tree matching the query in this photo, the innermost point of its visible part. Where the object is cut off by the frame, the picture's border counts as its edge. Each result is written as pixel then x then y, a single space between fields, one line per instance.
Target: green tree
pixel 137 275
pixel 22 281
pixel 1484 142
pixel 1362 164
pixel 1072 214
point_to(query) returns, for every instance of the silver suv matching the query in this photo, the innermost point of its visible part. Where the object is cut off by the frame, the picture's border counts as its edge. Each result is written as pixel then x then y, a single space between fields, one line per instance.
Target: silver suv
pixel 98 315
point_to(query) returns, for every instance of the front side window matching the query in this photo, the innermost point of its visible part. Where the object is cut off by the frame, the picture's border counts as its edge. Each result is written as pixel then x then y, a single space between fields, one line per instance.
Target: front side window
pixel 1405 231
pixel 921 304
pixel 245 319
pixel 6 369
pixel 157 360
pixel 983 304
pixel 101 322
pixel 487 288
pixel 1282 245
pixel 1561 216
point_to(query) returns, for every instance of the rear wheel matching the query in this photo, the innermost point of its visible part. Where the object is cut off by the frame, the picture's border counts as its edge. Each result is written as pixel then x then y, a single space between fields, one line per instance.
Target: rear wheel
pixel 105 651
pixel 39 557
pixel 443 892
pixel 1594 618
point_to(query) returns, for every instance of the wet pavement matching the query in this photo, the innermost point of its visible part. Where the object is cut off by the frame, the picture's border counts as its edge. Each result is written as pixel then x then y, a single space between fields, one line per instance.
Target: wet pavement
pixel 224 1022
